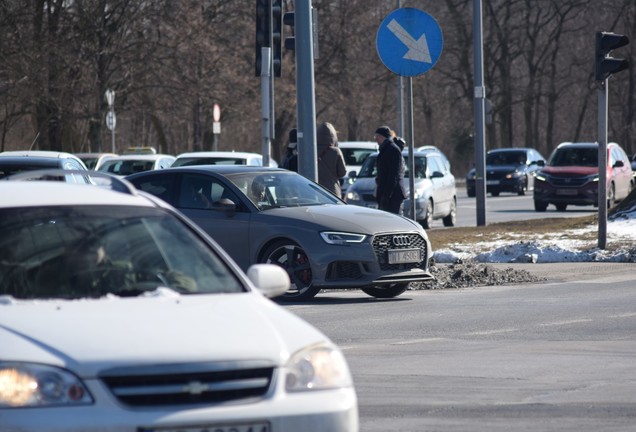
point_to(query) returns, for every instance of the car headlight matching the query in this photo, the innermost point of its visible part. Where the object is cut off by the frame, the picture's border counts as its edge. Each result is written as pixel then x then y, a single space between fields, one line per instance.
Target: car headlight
pixel 353 196
pixel 515 174
pixel 29 385
pixel 341 238
pixel 540 177
pixel 318 367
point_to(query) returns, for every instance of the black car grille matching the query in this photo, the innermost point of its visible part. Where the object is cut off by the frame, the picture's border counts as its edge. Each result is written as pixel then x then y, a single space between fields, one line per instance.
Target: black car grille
pixel 369 198
pixel 568 181
pixel 344 270
pixel 189 388
pixel 382 243
pixel 496 175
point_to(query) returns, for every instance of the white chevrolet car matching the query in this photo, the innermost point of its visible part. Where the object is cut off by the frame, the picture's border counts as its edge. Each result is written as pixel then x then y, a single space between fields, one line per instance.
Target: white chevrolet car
pixel 118 314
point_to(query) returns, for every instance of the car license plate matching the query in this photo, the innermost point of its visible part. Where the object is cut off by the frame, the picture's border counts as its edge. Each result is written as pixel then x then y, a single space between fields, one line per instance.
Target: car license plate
pixel 569 192
pixel 400 256
pixel 492 182
pixel 243 427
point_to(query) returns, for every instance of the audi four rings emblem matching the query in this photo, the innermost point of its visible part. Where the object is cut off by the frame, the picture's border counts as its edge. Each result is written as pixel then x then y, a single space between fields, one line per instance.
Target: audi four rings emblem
pixel 401 240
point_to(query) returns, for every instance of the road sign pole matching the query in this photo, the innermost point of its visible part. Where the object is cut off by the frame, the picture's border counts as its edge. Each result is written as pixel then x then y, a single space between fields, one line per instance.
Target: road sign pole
pixel 266 58
pixel 409 104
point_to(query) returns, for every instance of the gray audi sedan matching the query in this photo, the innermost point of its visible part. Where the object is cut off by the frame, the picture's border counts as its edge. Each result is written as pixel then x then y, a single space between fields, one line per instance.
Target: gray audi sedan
pixel 271 215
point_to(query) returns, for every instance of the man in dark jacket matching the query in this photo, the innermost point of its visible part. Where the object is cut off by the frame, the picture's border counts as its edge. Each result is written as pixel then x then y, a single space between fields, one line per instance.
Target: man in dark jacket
pixel 390 164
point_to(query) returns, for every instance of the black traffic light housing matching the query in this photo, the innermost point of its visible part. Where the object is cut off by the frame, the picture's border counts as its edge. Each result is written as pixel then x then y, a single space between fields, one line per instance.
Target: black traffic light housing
pixel 277 36
pixel 605 65
pixel 263 31
pixel 269 33
pixel 289 20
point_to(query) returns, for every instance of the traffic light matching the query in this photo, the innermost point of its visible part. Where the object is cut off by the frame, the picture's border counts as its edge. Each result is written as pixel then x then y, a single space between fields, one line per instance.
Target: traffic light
pixel 289 20
pixel 277 36
pixel 606 65
pixel 263 30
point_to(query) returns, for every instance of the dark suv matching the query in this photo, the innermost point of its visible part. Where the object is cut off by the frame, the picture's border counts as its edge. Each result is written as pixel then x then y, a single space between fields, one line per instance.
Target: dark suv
pixel 571 176
pixel 508 170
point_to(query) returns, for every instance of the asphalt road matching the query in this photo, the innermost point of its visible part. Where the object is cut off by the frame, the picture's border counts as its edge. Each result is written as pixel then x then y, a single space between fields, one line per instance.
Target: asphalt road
pixel 507 207
pixel 558 355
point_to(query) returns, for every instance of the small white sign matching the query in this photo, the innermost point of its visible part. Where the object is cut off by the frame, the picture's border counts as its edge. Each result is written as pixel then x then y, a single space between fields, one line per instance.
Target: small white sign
pixel 216 127
pixel 111 120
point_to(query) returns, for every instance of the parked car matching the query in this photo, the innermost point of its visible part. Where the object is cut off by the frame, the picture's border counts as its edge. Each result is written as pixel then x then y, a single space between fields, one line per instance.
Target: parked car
pixel 508 170
pixel 119 314
pixel 221 158
pixel 94 160
pixel 570 176
pixel 272 215
pixel 354 152
pixel 129 164
pixel 435 191
pixel 14 162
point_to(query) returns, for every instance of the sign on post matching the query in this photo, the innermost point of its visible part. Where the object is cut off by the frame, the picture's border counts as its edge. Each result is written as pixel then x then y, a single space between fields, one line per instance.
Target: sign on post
pixel 409 42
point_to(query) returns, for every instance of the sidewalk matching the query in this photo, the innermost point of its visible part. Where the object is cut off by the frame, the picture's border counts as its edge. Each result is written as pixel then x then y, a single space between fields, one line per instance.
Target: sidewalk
pixel 561 272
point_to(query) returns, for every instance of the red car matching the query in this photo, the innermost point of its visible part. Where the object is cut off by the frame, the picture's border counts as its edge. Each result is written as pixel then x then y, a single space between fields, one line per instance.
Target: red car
pixel 570 176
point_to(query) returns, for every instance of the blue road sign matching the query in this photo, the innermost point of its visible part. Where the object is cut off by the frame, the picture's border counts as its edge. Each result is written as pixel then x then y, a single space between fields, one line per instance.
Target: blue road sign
pixel 409 41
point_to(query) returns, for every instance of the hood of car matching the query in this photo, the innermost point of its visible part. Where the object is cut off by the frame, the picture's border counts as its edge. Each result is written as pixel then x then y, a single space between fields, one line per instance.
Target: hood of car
pixel 504 168
pixel 88 336
pixel 347 218
pixel 570 170
pixel 366 185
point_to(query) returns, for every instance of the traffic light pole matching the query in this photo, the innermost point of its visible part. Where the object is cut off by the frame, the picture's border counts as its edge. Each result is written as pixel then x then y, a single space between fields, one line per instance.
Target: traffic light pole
pixel 305 91
pixel 479 102
pixel 602 164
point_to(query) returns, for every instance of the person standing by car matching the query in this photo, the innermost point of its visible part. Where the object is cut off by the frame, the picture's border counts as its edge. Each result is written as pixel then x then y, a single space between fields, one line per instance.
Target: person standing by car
pixel 390 165
pixel 291 156
pixel 331 164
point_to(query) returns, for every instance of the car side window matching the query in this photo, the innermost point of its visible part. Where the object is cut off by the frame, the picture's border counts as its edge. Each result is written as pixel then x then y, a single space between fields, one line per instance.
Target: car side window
pixel 201 192
pixel 159 186
pixel 434 165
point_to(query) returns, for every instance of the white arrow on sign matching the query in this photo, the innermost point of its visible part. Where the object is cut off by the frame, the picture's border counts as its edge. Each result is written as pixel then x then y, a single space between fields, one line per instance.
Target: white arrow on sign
pixel 418 49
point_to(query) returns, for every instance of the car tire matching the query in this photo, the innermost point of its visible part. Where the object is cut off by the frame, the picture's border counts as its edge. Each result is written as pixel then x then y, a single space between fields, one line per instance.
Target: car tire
pixel 540 206
pixel 295 261
pixel 524 187
pixel 386 291
pixel 451 219
pixel 561 207
pixel 611 196
pixel 427 222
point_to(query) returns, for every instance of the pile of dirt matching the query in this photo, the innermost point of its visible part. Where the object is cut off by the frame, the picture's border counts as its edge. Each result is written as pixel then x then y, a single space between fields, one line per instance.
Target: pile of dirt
pixel 473 274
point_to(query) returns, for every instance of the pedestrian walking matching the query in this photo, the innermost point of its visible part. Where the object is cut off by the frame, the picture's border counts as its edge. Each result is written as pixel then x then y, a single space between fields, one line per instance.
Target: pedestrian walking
pixel 390 166
pixel 290 161
pixel 331 164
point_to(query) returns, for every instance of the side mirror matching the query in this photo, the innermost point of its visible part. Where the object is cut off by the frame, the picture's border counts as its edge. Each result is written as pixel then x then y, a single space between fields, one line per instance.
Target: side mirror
pixel 224 205
pixel 619 164
pixel 437 174
pixel 271 280
pixel 541 163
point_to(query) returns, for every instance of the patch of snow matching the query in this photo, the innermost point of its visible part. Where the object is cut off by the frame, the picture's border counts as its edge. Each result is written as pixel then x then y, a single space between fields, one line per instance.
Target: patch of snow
pixel 621 230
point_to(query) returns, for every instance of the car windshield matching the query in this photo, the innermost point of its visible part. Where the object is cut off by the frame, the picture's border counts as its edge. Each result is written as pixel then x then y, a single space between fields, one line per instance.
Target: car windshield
pixel 355 156
pixel 574 156
pixel 94 251
pixel 506 158
pixel 126 167
pixel 369 168
pixel 281 189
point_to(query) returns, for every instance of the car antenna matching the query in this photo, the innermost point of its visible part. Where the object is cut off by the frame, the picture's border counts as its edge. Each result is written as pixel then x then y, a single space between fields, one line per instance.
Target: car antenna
pixel 34 140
